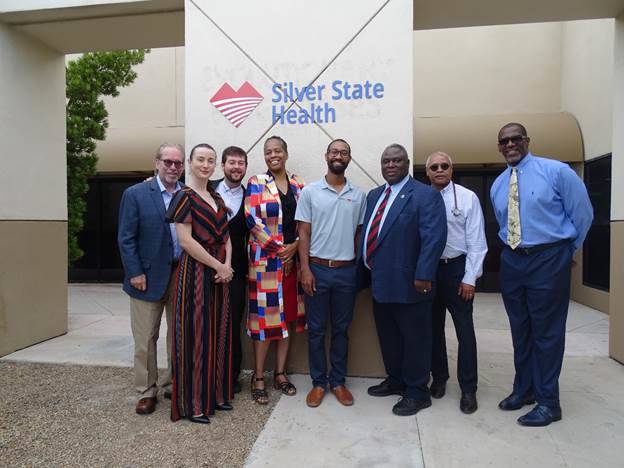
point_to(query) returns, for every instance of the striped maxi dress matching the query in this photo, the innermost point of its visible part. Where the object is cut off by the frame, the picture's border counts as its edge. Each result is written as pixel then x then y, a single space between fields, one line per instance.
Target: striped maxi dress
pixel 202 336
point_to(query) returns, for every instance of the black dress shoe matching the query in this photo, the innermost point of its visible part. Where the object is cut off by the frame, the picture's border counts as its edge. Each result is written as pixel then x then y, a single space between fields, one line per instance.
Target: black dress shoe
pixel 437 389
pixel 515 402
pixel 540 416
pixel 237 386
pixel 468 403
pixel 200 419
pixel 167 395
pixel 385 389
pixel 409 406
pixel 224 407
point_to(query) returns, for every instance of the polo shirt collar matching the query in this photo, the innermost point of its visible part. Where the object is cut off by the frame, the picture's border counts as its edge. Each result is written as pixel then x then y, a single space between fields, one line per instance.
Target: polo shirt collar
pixel 346 188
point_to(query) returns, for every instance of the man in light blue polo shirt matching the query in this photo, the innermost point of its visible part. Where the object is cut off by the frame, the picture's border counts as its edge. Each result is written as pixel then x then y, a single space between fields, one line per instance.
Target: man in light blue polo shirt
pixel 330 213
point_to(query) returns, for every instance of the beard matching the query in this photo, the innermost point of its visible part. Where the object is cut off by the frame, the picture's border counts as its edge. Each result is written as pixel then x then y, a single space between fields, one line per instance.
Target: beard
pixel 234 178
pixel 337 169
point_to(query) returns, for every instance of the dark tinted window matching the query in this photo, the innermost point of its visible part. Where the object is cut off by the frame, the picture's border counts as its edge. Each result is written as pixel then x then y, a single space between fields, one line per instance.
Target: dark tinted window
pixel 596 249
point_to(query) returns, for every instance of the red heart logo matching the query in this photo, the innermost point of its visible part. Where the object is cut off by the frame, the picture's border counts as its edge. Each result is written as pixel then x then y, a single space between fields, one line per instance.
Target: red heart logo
pixel 236 105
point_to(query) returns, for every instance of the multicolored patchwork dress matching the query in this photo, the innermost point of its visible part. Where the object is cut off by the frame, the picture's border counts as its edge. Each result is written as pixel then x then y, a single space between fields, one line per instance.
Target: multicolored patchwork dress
pixel 202 334
pixel 267 318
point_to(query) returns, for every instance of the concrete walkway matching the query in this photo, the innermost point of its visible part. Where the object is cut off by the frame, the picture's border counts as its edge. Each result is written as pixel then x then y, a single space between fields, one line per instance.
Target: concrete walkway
pixel 368 435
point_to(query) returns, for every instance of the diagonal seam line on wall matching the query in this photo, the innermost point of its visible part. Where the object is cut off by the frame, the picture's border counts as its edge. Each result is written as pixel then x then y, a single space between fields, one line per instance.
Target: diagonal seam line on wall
pixel 318 75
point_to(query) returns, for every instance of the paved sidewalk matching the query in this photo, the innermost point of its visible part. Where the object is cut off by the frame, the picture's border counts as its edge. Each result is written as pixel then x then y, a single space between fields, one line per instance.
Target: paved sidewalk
pixel 367 434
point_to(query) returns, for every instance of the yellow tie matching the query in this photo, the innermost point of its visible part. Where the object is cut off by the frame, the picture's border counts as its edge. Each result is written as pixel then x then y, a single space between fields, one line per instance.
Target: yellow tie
pixel 513 211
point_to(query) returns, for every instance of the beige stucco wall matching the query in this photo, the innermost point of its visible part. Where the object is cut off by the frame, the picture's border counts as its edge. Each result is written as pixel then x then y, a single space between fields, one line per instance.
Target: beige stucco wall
pixel 145 114
pixel 587 81
pixel 587 93
pixel 33 282
pixel 32 129
pixel 33 213
pixel 616 300
pixel 488 70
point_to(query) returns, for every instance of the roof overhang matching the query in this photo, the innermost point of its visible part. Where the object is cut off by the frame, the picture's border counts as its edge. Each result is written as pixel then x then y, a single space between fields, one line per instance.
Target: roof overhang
pixel 72 26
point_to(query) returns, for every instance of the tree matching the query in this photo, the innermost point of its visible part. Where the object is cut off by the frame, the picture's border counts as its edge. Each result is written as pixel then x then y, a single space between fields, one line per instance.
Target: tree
pixel 87 80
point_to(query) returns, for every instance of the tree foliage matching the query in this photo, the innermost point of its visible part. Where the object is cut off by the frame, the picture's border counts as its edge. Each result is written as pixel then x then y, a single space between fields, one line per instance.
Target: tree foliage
pixel 87 80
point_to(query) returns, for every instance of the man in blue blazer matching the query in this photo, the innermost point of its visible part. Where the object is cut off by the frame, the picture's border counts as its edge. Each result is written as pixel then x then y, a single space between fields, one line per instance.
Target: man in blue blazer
pixel 404 237
pixel 149 252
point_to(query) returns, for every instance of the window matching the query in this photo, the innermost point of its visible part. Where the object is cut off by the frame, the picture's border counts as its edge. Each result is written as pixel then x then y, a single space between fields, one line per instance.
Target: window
pixel 596 249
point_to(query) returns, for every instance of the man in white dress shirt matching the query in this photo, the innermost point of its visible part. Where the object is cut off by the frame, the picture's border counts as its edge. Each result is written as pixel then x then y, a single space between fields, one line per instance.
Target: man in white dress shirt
pixel 460 266
pixel 231 189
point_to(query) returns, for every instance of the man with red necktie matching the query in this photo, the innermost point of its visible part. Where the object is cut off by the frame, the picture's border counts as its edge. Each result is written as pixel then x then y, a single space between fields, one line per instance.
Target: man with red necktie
pixel 404 237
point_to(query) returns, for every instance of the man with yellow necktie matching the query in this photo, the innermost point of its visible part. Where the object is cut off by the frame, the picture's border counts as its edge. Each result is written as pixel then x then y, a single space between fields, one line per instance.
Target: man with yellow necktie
pixel 544 213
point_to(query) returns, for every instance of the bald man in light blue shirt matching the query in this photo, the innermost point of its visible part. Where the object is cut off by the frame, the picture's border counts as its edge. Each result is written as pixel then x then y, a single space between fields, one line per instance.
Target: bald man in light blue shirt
pixel 544 213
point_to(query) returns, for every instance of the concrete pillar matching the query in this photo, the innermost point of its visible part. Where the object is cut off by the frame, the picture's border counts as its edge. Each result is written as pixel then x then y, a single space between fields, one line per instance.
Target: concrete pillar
pixel 33 212
pixel 616 299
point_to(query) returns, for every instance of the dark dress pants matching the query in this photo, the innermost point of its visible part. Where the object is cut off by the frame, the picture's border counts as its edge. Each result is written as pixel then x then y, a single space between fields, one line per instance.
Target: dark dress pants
pixel 238 301
pixel 333 299
pixel 536 293
pixel 404 332
pixel 449 278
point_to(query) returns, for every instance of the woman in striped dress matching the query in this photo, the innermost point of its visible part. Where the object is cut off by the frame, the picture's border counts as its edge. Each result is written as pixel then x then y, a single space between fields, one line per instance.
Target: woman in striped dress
pixel 201 351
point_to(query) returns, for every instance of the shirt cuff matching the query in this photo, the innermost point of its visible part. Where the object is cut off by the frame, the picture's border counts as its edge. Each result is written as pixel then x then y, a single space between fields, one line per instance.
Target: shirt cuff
pixel 469 279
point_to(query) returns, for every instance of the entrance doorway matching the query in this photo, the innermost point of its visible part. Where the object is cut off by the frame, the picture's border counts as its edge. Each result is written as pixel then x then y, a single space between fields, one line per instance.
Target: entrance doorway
pixel 101 261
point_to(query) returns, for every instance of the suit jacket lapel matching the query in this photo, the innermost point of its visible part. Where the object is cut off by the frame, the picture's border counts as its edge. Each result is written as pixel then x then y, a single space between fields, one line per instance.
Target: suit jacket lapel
pixel 157 196
pixel 397 206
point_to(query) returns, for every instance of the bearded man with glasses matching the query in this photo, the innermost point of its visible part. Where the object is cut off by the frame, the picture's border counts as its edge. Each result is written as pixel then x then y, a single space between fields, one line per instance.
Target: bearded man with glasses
pixel 149 251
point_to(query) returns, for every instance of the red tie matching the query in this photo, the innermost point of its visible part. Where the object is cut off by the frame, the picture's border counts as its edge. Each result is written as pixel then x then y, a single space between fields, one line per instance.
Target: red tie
pixel 371 239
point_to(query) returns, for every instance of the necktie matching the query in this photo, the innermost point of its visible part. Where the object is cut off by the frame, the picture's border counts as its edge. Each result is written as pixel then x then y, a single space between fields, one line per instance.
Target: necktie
pixel 373 232
pixel 514 229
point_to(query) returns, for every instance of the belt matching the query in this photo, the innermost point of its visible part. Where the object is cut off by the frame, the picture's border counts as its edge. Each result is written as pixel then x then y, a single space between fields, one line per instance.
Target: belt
pixel 446 261
pixel 331 263
pixel 537 248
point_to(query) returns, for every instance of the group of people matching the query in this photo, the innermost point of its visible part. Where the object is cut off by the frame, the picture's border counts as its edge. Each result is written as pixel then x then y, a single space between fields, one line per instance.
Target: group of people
pixel 293 256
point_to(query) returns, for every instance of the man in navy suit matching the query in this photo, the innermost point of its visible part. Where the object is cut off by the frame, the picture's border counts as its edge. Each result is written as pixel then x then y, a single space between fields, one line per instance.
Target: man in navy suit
pixel 231 189
pixel 404 237
pixel 149 251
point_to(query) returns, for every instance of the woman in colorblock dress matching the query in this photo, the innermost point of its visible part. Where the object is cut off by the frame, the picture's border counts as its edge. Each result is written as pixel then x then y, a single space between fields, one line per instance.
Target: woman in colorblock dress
pixel 275 295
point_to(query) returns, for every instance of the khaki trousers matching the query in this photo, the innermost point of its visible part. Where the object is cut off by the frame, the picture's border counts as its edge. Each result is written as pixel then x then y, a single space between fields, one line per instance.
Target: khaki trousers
pixel 145 317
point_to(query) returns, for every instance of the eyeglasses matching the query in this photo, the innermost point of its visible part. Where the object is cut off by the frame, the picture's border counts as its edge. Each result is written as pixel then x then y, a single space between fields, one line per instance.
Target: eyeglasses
pixel 443 166
pixel 171 162
pixel 514 139
pixel 335 152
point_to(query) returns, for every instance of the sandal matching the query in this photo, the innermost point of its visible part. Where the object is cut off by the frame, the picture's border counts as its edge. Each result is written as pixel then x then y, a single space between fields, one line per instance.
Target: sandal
pixel 285 387
pixel 259 395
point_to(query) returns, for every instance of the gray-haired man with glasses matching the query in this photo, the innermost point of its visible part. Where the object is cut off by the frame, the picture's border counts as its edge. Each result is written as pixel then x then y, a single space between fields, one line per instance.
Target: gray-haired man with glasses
pixel 149 251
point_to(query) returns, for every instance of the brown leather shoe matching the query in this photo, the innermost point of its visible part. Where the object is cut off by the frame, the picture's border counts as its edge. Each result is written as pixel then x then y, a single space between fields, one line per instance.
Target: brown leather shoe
pixel 315 396
pixel 343 395
pixel 146 405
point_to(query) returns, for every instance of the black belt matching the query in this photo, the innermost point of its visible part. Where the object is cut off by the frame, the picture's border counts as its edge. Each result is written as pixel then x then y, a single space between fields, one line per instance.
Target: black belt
pixel 537 248
pixel 446 261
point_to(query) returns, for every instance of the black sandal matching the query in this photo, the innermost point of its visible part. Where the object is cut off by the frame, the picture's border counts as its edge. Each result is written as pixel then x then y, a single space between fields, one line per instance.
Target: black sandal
pixel 259 395
pixel 286 387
